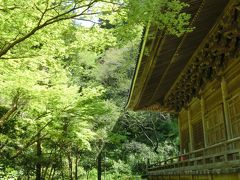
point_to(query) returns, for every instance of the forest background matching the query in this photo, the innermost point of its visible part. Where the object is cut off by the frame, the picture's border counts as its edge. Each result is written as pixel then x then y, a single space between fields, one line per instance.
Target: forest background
pixel 65 72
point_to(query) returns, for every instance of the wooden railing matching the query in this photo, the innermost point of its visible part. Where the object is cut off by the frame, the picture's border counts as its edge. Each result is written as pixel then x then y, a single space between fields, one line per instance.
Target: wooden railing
pixel 218 157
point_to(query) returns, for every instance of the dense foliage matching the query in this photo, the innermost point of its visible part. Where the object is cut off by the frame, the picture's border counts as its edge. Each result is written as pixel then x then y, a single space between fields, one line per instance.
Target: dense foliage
pixel 65 72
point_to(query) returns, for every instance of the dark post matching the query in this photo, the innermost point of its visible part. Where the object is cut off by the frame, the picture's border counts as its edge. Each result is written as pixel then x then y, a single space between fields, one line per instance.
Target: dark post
pixel 99 168
pixel 39 154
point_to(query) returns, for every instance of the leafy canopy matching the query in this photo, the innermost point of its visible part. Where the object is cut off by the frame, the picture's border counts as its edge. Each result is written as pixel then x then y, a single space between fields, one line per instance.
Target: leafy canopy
pixel 21 20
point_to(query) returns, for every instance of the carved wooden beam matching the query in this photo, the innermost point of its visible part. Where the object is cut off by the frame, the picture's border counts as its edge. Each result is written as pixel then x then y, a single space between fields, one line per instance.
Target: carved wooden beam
pixel 222 46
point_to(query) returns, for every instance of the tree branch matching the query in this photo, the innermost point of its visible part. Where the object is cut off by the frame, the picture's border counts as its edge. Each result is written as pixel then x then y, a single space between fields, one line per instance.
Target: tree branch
pixel 60 17
pixel 10 112
pixel 5 9
pixel 34 138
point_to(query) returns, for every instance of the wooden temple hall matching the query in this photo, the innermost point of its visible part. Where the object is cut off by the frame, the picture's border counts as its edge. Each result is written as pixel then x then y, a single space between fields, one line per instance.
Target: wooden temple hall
pixel 196 76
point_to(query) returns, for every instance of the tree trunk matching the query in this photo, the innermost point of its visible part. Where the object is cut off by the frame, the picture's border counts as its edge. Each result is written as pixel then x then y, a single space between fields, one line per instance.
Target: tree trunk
pixel 50 173
pixel 99 167
pixel 70 166
pixel 87 174
pixel 34 138
pixel 62 174
pixel 39 155
pixel 76 167
pixel 48 165
pixel 54 170
pixel 44 172
pixel 28 176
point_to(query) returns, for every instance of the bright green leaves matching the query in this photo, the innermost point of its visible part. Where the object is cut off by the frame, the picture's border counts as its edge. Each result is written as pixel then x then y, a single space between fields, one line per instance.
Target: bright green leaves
pixel 42 80
pixel 65 84
pixel 95 39
pixel 22 20
pixel 118 20
pixel 47 101
pixel 165 14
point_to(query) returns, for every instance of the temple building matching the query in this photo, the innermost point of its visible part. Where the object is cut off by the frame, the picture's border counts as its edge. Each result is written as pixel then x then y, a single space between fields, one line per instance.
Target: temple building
pixel 196 76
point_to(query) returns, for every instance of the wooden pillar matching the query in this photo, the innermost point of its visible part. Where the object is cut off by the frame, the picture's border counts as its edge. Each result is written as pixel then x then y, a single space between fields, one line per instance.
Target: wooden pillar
pixel 190 131
pixel 203 121
pixel 180 135
pixel 210 177
pixel 225 108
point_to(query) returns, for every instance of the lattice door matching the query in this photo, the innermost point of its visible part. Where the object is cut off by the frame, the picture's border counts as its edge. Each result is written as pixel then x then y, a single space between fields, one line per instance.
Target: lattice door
pixel 198 137
pixel 234 115
pixel 185 140
pixel 215 128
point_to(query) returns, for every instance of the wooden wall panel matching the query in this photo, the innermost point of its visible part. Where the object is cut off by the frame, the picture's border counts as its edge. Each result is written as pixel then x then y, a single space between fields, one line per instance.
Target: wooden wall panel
pixel 198 137
pixel 234 86
pixel 195 108
pixel 232 76
pixel 184 130
pixel 233 102
pixel 214 114
pixel 185 141
pixel 234 115
pixel 215 127
pixel 214 99
pixel 220 121
pixel 183 119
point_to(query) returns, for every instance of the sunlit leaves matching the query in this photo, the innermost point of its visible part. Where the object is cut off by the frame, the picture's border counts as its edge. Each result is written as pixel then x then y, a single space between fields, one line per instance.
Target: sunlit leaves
pixel 165 14
pixel 67 82
pixel 21 21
